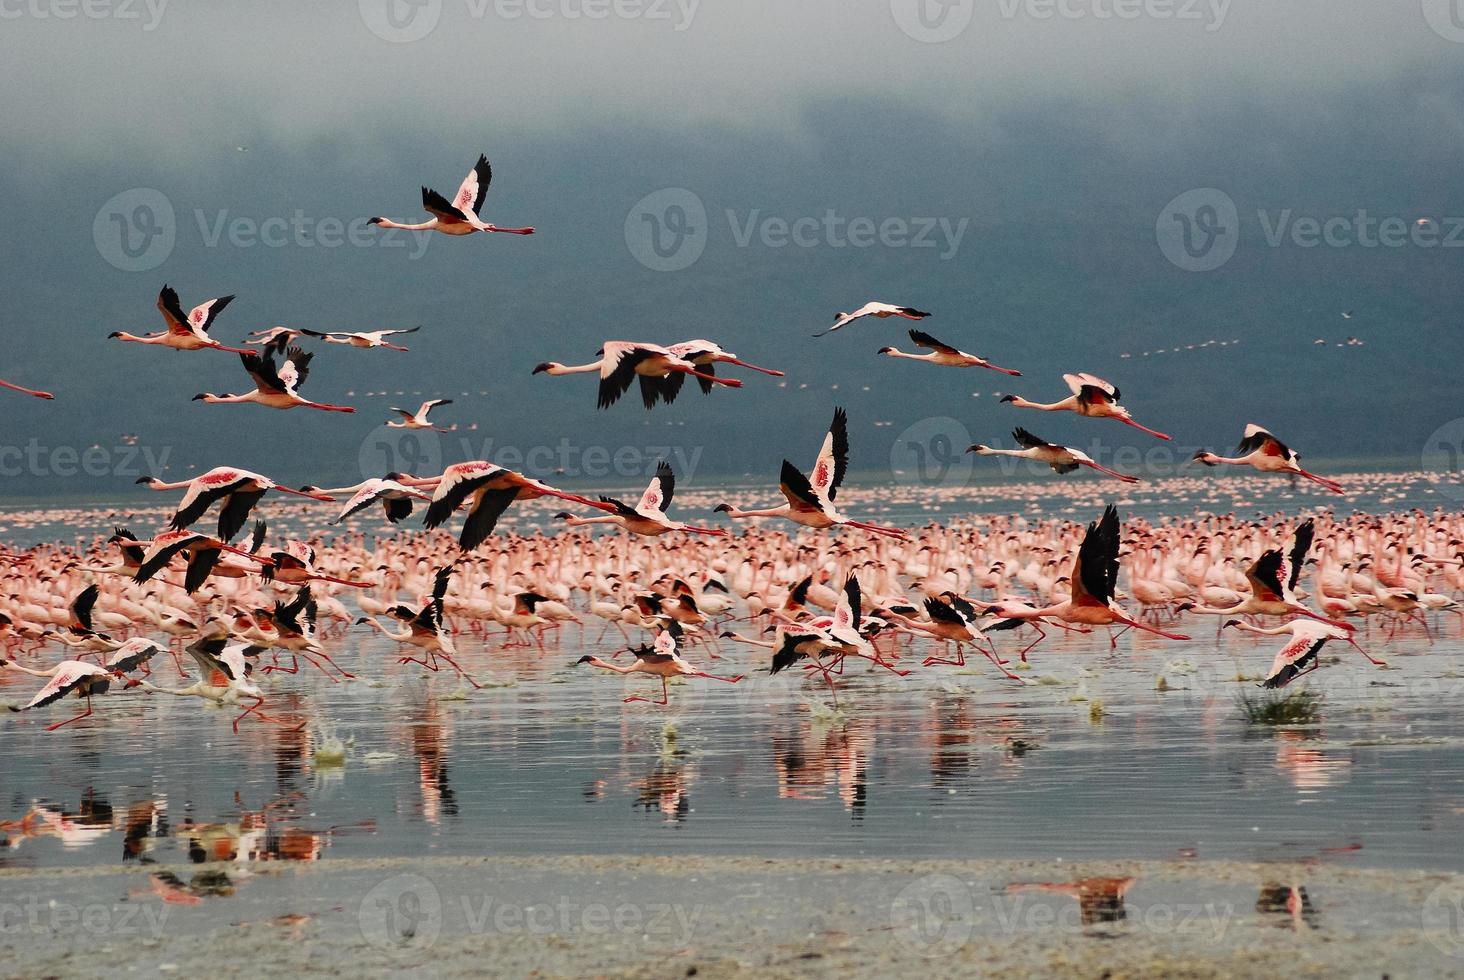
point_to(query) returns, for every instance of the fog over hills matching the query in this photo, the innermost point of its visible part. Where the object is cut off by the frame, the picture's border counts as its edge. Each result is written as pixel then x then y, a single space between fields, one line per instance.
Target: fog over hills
pixel 1025 175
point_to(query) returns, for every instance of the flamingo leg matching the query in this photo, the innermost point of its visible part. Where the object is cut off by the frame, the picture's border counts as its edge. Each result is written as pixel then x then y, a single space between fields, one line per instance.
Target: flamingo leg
pixel 84 714
pixel 1371 659
pixel 1144 428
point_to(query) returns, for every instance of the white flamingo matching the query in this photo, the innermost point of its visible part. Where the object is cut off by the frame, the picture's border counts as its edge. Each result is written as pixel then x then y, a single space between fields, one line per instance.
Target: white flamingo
pixel 460 215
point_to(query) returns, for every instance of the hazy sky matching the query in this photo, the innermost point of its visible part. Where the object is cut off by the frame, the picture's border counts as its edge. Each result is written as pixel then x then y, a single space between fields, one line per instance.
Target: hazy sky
pixel 1019 167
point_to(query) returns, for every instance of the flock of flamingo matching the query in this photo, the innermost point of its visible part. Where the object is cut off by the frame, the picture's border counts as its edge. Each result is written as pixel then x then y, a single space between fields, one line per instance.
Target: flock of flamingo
pixel 239 608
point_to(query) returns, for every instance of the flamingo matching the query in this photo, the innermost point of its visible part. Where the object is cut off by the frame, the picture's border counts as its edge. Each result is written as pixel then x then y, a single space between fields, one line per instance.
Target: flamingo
pixel 188 332
pixel 944 355
pixel 492 490
pixel 69 677
pixel 234 662
pixel 203 554
pixel 267 338
pixel 623 361
pixel 648 516
pixel 425 629
pixel 239 490
pixel 1300 655
pixel 662 659
pixel 706 355
pixel 394 496
pixel 460 216
pixel 1091 397
pixel 1273 578
pixel 34 393
pixel 1263 451
pixel 1063 459
pixel 418 419
pixel 880 310
pixel 274 386
pixel 811 502
pixel 365 339
pixel 1093 580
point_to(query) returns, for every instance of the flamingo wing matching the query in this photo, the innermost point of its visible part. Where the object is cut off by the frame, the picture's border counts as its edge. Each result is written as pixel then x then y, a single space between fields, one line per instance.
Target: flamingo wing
pixel 173 313
pixel 439 207
pixel 201 317
pixel 833 458
pixel 657 497
pixel 923 339
pixel 618 365
pixel 69 676
pixel 1027 440
pixel 1095 570
pixel 457 483
pixel 1300 545
pixel 1257 438
pixel 483 518
pixel 1293 659
pixel 800 493
pixel 133 654
pixel 1266 576
pixel 469 197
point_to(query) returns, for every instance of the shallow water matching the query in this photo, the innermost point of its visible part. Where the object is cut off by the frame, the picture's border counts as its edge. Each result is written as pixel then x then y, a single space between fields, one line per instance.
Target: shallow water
pixel 944 763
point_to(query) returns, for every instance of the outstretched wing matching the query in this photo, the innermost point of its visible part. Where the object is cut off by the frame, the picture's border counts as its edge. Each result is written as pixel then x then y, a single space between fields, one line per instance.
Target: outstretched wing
pixel 1257 438
pixel 1293 659
pixel 81 607
pixel 662 487
pixel 1301 543
pixel 440 208
pixel 1095 570
pixel 798 490
pixel 69 675
pixel 924 339
pixel 483 518
pixel 1027 440
pixel 172 312
pixel 1266 576
pixel 617 370
pixel 1091 389
pixel 833 458
pixel 469 197
pixel 201 317
pixel 846 611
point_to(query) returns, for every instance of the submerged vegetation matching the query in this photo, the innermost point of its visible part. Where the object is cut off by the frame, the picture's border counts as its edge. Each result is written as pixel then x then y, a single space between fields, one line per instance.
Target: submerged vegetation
pixel 1299 707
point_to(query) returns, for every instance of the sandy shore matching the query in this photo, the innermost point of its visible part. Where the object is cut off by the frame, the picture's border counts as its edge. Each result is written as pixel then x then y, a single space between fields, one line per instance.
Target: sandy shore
pixel 725 916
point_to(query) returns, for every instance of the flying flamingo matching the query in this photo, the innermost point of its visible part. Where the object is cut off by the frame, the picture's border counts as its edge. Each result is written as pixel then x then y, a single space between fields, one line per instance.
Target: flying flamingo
pixel 648 516
pixel 185 332
pixel 365 339
pixel 623 361
pixel 492 490
pixel 1300 655
pixel 233 663
pixel 662 659
pixel 459 216
pixel 69 677
pixel 944 355
pixel 394 496
pixel 239 490
pixel 203 554
pixel 1092 397
pixel 1063 459
pixel 274 386
pixel 418 419
pixel 1273 578
pixel 811 501
pixel 880 310
pixel 1093 581
pixel 27 391
pixel 425 629
pixel 706 355
pixel 1263 451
